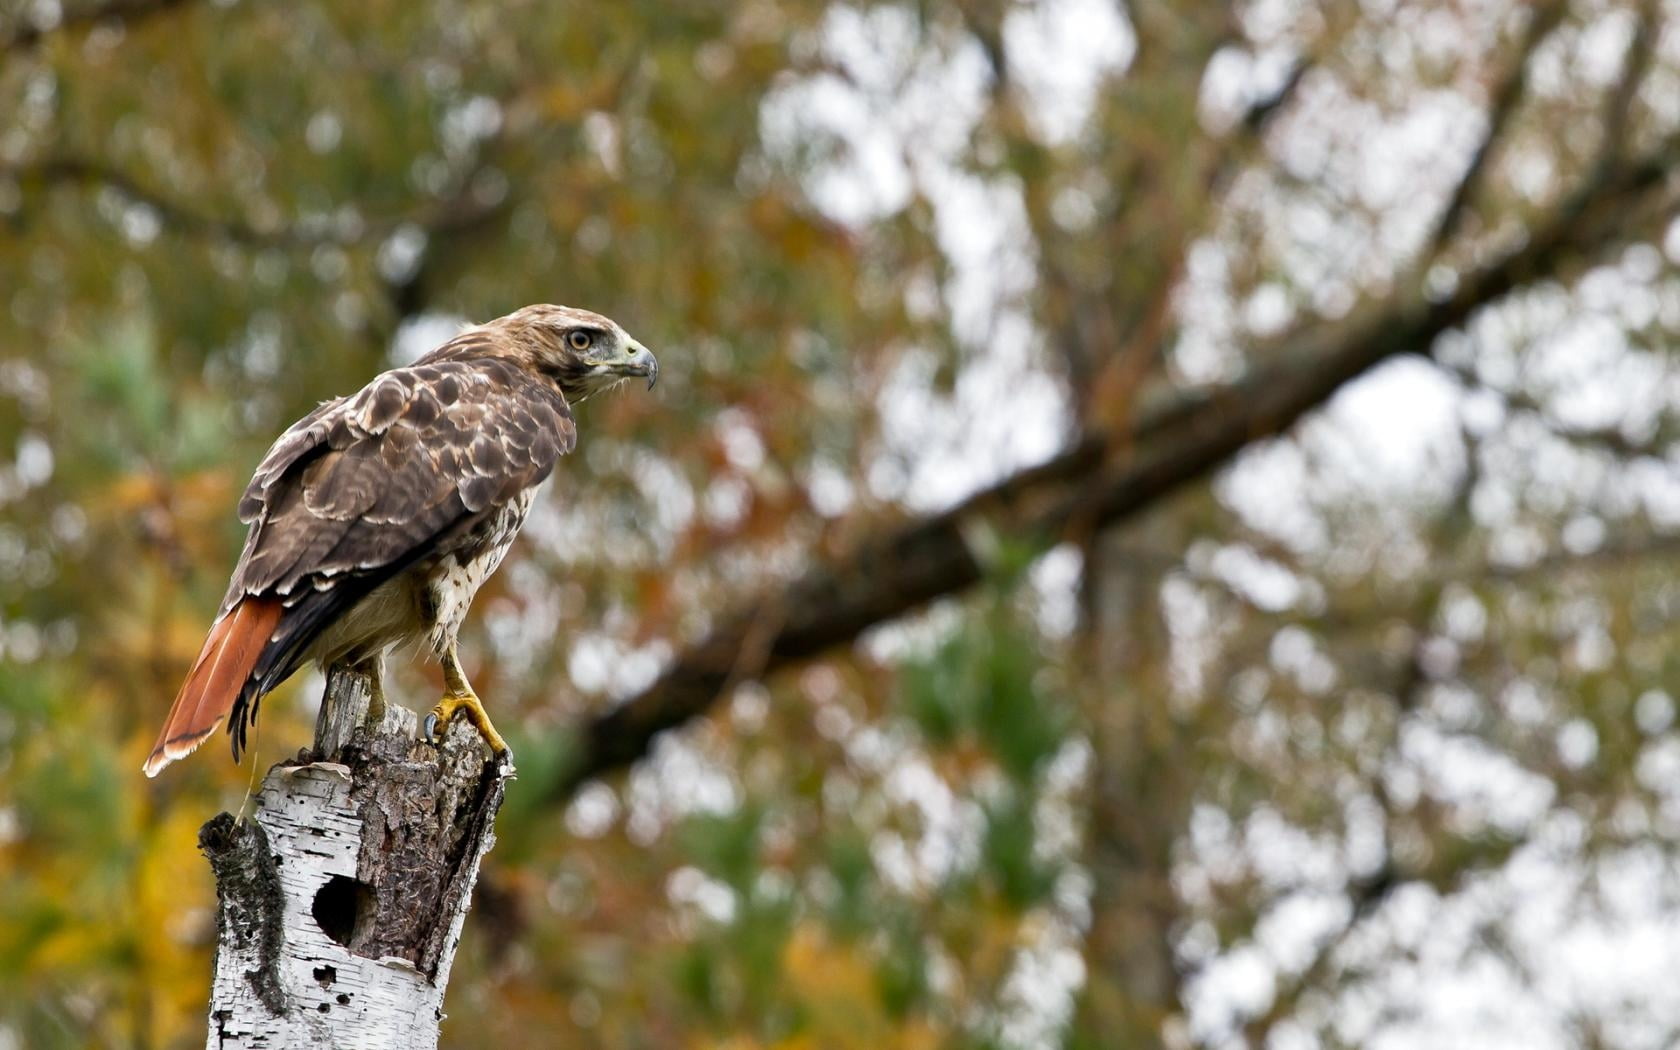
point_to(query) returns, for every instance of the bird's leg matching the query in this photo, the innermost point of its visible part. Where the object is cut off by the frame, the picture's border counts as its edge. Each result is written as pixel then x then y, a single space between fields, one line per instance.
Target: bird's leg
pixel 373 669
pixel 458 697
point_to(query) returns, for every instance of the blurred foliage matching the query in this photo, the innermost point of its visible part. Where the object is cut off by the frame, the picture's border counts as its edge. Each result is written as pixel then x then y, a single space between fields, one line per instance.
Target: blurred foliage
pixel 1066 809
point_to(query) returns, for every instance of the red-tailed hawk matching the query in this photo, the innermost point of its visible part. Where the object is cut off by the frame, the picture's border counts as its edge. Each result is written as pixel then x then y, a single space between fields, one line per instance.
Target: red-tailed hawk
pixel 375 518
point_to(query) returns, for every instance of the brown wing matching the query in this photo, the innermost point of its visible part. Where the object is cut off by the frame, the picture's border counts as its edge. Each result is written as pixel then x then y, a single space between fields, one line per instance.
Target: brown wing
pixel 365 485
pixel 364 481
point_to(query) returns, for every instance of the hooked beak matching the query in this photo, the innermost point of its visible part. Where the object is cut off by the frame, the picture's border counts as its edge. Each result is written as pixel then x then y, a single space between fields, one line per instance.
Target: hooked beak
pixel 643 363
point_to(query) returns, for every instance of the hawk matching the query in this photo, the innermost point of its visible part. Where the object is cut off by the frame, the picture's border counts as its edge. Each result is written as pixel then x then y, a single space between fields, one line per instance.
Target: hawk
pixel 375 518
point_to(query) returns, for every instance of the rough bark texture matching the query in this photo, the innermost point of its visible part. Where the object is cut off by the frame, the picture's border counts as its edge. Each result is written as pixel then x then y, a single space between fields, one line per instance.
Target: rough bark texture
pixel 341 901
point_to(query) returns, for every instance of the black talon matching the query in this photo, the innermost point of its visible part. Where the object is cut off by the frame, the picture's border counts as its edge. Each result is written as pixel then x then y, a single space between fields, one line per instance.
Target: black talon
pixel 429 726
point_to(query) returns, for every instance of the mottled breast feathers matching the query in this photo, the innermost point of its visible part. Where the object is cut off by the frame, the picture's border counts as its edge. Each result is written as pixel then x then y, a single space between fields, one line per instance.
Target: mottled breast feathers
pixel 363 483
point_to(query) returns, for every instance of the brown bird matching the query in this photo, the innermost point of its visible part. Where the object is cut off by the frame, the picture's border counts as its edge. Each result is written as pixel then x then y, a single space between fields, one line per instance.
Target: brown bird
pixel 375 518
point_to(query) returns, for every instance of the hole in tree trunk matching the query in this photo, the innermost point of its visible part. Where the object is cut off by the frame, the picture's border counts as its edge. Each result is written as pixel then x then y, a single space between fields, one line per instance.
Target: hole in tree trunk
pixel 338 905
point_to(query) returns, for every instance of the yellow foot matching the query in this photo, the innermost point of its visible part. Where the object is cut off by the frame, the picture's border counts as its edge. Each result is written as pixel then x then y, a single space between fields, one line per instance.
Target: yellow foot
pixel 437 723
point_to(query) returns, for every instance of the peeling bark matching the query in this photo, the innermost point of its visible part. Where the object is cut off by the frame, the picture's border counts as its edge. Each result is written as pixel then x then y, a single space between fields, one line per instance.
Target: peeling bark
pixel 341 902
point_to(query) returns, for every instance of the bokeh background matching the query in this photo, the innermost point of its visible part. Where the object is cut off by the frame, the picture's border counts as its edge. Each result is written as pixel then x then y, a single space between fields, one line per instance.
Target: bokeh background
pixel 1159 527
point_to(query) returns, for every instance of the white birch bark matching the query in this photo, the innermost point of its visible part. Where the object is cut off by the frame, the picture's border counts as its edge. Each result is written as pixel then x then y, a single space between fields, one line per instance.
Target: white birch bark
pixel 341 902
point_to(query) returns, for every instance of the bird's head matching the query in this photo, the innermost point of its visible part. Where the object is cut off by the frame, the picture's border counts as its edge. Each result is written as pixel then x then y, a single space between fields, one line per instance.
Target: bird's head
pixel 581 351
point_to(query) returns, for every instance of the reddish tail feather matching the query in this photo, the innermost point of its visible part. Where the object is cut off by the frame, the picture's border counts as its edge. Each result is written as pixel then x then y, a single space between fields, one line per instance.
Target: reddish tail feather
pixel 216 680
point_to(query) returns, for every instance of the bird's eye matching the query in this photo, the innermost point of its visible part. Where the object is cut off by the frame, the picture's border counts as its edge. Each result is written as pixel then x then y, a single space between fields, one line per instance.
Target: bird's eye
pixel 581 341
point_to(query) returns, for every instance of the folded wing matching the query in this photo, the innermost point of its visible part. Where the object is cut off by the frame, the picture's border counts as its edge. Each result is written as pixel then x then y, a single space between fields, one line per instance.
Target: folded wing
pixel 350 495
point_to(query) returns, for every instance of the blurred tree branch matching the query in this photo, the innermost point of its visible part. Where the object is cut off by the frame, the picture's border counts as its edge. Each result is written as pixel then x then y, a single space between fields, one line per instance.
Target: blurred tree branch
pixel 1506 97
pixel 25 34
pixel 1105 477
pixel 1366 893
pixel 1618 105
pixel 82 173
pixel 1609 438
pixel 411 294
pixel 1364 622
pixel 461 210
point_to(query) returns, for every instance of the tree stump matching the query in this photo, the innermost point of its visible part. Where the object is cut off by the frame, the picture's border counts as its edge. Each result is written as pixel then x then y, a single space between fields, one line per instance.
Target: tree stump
pixel 340 903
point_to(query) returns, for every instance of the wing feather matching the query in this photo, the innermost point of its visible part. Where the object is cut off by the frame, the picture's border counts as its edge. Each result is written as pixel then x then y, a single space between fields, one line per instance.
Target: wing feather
pixel 466 436
pixel 365 485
